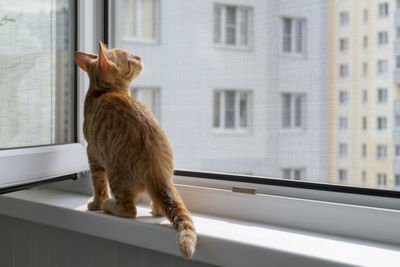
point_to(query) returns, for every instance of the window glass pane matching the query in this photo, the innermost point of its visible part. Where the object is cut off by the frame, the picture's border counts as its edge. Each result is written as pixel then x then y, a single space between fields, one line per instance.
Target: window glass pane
pixel 287 32
pixel 230 15
pixel 229 109
pixel 217 100
pixel 298 111
pixel 299 36
pixel 37 73
pixel 129 26
pixel 244 25
pixel 217 24
pixel 312 99
pixel 243 110
pixel 286 110
pixel 230 25
pixel 148 19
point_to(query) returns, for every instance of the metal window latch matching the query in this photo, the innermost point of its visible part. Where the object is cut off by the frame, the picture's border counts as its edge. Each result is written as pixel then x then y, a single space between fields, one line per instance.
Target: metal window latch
pixel 245 190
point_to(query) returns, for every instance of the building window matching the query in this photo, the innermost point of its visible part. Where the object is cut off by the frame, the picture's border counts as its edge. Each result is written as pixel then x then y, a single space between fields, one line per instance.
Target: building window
pixel 398 62
pixel 364 123
pixel 343 151
pixel 343 70
pixel 382 95
pixel 382 66
pixel 381 123
pixel 295 174
pixel 381 179
pixel 343 97
pixel 232 109
pixel 343 123
pixel 363 177
pixel 150 97
pixel 343 44
pixel 364 150
pixel 293 113
pixel 365 69
pixel 397 120
pixel 382 38
pixel 381 152
pixel 365 15
pixel 342 176
pixel 365 42
pixel 364 96
pixel 397 151
pixel 383 10
pixel 344 18
pixel 293 37
pixel 232 25
pixel 139 19
pixel 397 180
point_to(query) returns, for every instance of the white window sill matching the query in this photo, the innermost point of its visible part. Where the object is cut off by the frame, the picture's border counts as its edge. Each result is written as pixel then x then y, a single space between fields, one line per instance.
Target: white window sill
pixel 222 241
pixel 233 47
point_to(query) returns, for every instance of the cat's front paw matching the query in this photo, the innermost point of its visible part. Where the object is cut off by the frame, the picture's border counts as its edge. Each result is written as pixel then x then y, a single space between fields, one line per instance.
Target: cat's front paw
pixel 94 205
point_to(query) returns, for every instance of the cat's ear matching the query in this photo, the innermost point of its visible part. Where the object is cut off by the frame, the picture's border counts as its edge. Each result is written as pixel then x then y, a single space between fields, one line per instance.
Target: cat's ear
pixel 83 60
pixel 105 64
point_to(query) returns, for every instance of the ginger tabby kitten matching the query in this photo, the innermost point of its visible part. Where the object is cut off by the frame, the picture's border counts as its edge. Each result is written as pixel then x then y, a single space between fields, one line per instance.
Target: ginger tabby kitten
pixel 127 149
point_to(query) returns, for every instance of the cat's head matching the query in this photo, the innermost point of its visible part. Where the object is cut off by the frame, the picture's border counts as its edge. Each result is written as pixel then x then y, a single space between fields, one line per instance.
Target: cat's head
pixel 113 68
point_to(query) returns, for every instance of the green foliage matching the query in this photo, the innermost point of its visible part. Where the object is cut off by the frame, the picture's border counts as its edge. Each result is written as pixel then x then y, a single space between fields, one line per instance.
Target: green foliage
pixel 4 20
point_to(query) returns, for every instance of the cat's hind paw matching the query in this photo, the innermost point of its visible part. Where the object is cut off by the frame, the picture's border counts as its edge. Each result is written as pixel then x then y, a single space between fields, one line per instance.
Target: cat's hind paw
pixel 156 210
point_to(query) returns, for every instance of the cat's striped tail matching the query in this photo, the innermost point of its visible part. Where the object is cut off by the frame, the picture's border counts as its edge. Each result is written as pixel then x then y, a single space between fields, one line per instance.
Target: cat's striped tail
pixel 168 199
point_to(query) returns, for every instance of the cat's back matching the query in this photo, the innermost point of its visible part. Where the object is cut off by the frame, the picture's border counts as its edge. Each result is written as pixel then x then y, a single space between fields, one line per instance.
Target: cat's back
pixel 117 108
pixel 118 118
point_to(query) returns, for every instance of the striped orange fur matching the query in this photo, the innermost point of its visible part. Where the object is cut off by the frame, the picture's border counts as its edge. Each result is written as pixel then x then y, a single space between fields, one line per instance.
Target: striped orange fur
pixel 127 149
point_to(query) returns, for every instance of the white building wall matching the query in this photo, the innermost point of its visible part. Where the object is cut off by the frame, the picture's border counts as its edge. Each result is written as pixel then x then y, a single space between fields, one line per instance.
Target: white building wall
pixel 187 67
pixel 305 148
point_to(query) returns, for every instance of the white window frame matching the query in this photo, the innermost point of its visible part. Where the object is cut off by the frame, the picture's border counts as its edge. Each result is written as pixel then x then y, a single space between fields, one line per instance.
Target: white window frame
pixel 364 150
pixel 364 96
pixel 383 38
pixel 383 10
pixel 344 44
pixel 343 97
pixel 397 151
pixel 116 33
pixel 381 123
pixel 344 18
pixel 237 129
pixel 382 95
pixel 365 42
pixel 292 116
pixel 381 152
pixel 343 123
pixel 365 69
pixel 343 71
pixel 381 180
pixel 343 150
pixel 382 67
pixel 293 22
pixel 45 162
pixel 293 173
pixel 343 176
pixel 238 9
pixel 314 210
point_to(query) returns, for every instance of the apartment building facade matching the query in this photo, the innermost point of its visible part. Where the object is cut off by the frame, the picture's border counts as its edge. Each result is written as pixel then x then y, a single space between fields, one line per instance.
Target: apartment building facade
pixel 231 81
pixel 362 93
